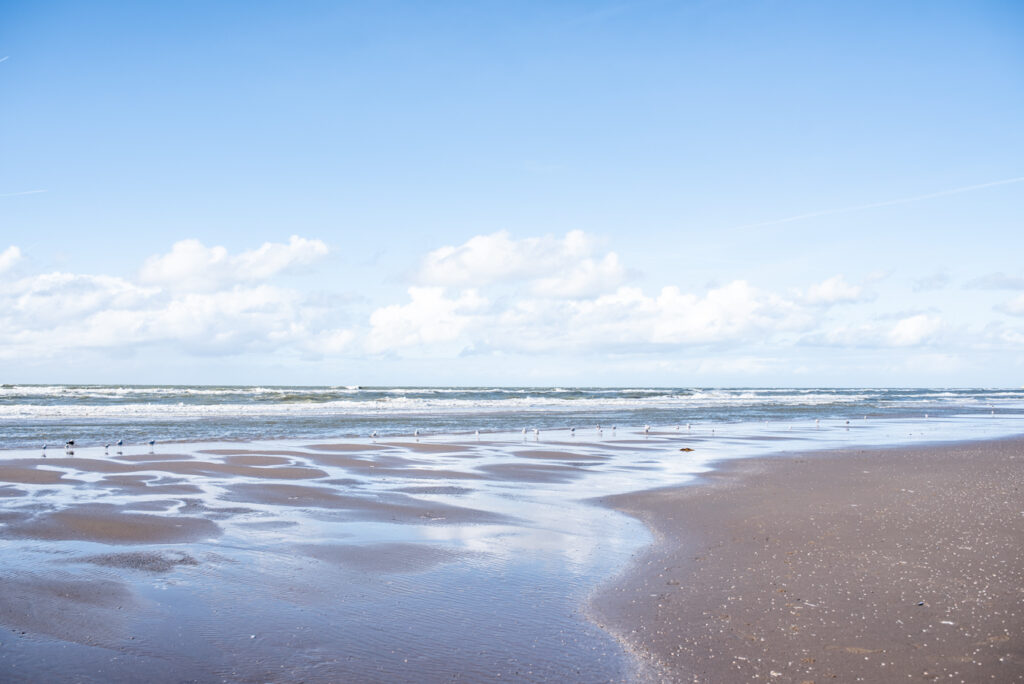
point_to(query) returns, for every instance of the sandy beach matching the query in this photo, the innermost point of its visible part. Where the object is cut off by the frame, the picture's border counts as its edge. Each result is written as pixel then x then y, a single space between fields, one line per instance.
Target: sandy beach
pixel 491 560
pixel 882 565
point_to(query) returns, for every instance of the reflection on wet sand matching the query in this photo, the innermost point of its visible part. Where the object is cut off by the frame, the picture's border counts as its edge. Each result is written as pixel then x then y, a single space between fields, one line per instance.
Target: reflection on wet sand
pixel 394 560
pixel 224 538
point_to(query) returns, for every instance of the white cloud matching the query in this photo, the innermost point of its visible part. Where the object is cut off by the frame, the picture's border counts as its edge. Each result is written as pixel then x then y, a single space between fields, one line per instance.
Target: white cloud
pixel 585 278
pixel 192 266
pixel 554 296
pixel 429 318
pixel 54 298
pixel 52 313
pixel 487 259
pixel 909 331
pixel 1014 307
pixel 914 330
pixel 625 318
pixel 9 257
pixel 834 290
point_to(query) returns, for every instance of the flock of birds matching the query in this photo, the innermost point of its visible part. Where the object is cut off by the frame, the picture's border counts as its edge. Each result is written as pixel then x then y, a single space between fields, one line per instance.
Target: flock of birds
pixel 69 446
pixel 536 431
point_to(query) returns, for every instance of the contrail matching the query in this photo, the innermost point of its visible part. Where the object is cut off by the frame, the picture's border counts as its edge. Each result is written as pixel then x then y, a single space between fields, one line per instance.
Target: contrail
pixel 4 59
pixel 23 192
pixel 887 203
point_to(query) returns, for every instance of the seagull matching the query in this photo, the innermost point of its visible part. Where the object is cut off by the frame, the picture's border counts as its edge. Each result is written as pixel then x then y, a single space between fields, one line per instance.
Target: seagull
pixel 524 432
pixel 120 442
pixel 416 432
pixel 373 435
pixel 70 444
pixel 687 427
pixel 106 448
pixel 572 431
pixel 477 433
pixel 152 442
pixel 647 428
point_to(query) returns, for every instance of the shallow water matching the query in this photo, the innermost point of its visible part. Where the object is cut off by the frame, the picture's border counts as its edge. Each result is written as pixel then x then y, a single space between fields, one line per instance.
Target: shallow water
pixel 396 559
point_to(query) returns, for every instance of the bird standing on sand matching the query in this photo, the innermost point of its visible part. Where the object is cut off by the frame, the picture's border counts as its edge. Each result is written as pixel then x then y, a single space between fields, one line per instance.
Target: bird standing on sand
pixel 647 429
pixel 572 431
pixel 373 435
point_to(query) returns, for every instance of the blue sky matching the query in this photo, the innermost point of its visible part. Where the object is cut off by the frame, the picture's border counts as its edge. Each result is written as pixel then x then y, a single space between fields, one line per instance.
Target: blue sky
pixel 674 193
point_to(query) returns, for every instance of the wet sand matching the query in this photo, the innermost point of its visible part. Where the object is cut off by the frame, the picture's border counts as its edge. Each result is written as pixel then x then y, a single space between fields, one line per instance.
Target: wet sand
pixel 432 561
pixel 397 561
pixel 883 565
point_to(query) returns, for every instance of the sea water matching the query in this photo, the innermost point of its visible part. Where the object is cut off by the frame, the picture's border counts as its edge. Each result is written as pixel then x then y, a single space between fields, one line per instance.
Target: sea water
pixel 32 415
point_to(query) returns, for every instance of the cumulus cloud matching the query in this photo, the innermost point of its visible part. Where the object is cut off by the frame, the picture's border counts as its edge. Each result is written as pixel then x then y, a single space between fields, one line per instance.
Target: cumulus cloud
pixel 9 257
pixel 190 265
pixel 487 259
pixel 834 290
pixel 429 318
pixel 50 313
pixel 908 331
pixel 625 318
pixel 493 294
pixel 53 298
pixel 914 330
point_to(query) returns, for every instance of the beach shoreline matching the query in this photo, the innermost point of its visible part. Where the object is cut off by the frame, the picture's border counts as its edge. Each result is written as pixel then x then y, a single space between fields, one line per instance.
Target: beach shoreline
pixel 350 549
pixel 861 564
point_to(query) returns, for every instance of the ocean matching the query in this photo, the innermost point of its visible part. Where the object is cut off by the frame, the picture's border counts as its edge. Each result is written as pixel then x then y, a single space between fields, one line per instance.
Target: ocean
pixel 32 415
